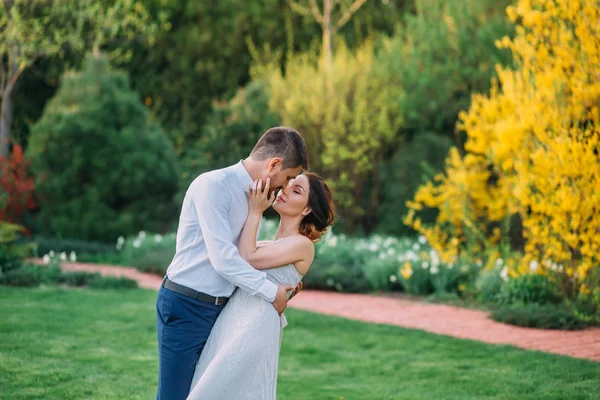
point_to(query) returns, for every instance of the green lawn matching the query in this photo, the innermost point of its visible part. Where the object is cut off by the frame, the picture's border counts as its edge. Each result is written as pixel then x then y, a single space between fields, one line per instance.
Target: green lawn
pixel 90 344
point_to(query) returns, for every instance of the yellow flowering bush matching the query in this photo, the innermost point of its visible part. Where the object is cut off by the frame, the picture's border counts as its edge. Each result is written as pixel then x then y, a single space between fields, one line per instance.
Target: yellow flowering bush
pixel 532 150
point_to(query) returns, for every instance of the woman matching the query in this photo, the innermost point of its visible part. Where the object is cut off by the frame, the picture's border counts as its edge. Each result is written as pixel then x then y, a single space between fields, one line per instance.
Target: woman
pixel 241 355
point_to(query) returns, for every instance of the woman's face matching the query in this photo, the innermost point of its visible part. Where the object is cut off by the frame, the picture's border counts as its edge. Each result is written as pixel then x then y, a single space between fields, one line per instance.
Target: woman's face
pixel 293 199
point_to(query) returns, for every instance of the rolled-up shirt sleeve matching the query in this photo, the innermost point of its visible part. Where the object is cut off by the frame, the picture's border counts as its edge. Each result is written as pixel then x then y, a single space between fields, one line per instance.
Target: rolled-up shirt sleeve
pixel 211 204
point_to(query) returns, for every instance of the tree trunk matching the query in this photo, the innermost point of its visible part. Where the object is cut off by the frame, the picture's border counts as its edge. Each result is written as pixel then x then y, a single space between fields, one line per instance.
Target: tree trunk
pixel 5 122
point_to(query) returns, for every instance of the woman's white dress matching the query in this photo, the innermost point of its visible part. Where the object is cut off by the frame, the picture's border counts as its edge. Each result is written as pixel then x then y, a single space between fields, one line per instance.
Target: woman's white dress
pixel 240 358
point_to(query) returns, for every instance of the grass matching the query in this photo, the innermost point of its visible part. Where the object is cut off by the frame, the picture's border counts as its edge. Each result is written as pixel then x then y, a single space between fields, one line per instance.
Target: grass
pixel 58 343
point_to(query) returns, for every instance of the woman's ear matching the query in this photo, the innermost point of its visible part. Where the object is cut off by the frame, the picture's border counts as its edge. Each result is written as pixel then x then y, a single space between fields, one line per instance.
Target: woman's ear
pixel 306 211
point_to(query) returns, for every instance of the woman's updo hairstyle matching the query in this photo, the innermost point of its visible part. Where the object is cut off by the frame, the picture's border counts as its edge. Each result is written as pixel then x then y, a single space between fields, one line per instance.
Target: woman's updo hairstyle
pixel 320 201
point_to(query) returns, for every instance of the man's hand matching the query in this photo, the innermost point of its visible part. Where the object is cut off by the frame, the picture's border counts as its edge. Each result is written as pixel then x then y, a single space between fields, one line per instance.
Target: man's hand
pixel 280 302
pixel 298 288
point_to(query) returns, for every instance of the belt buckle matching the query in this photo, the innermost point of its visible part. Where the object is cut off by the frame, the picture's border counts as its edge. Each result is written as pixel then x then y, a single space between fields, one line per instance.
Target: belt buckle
pixel 219 301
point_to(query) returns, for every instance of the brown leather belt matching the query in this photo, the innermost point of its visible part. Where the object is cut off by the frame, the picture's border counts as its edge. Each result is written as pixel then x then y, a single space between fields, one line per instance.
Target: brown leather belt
pixel 186 291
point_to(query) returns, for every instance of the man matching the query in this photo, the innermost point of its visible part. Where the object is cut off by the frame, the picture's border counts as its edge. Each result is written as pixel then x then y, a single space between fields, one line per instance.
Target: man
pixel 207 266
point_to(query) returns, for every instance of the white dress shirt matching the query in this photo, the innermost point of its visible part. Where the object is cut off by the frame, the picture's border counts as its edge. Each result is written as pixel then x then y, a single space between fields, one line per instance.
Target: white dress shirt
pixel 212 217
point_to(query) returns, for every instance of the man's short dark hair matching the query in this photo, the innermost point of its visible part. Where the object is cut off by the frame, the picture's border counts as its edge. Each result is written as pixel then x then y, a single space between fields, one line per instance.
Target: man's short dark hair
pixel 282 142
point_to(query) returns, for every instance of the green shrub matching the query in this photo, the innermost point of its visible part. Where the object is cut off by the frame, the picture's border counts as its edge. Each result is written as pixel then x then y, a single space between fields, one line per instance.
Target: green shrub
pixel 8 262
pixel 337 266
pixel 13 250
pixel 26 275
pixel 147 252
pixel 413 163
pixel 102 167
pixel 77 278
pixel 46 244
pixel 419 282
pixel 548 316
pixel 96 281
pixel 449 277
pixel 51 274
pixel 528 289
pixel 155 261
pixel 32 275
pixel 337 277
pixel 112 282
pixel 488 285
pixel 587 306
pixel 382 273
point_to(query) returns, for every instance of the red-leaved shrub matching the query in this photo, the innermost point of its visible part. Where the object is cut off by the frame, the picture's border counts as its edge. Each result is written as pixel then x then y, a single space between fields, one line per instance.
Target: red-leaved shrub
pixel 16 187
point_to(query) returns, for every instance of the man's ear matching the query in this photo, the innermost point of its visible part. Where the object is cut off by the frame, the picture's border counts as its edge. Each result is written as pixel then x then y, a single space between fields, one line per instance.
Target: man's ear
pixel 274 163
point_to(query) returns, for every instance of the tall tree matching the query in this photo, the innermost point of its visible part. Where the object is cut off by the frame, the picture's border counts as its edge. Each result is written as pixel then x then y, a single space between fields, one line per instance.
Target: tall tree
pixel 331 16
pixel 31 30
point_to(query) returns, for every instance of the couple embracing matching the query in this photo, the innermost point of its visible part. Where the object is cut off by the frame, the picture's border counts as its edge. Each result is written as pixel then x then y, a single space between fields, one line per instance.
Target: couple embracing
pixel 220 307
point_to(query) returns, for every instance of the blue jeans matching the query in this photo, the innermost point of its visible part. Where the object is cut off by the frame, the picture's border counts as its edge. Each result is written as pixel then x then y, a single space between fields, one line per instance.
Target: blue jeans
pixel 183 326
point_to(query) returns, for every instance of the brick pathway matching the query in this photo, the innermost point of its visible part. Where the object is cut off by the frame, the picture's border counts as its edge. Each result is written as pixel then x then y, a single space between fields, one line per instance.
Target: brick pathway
pixel 440 319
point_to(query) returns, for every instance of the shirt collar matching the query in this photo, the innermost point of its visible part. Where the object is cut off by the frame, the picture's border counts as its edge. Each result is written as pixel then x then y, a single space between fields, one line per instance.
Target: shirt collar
pixel 242 174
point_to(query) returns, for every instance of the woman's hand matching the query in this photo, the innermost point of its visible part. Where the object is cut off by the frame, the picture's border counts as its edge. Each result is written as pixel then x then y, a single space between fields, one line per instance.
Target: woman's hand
pixel 259 199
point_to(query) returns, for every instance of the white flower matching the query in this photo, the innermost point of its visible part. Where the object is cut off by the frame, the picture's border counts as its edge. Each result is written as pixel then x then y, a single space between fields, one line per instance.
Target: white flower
pixel 63 256
pixel 120 240
pixel 158 238
pixel 137 243
pixel 412 256
pixel 415 247
pixel 391 251
pixel 382 256
pixel 422 239
pixel 435 259
pixel 51 253
pixel 142 234
pixel 450 266
pixel 533 266
pixel 373 247
pixel 119 246
pixel 393 278
pixel 46 259
pixel 504 273
pixel 73 256
pixel 425 265
pixel 434 270
pixel 555 267
pixel 499 262
pixel 333 241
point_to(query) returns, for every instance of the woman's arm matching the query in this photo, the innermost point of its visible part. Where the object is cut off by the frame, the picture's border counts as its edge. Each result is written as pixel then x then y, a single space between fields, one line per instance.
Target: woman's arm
pixel 257 204
pixel 247 244
pixel 291 250
pixel 287 251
